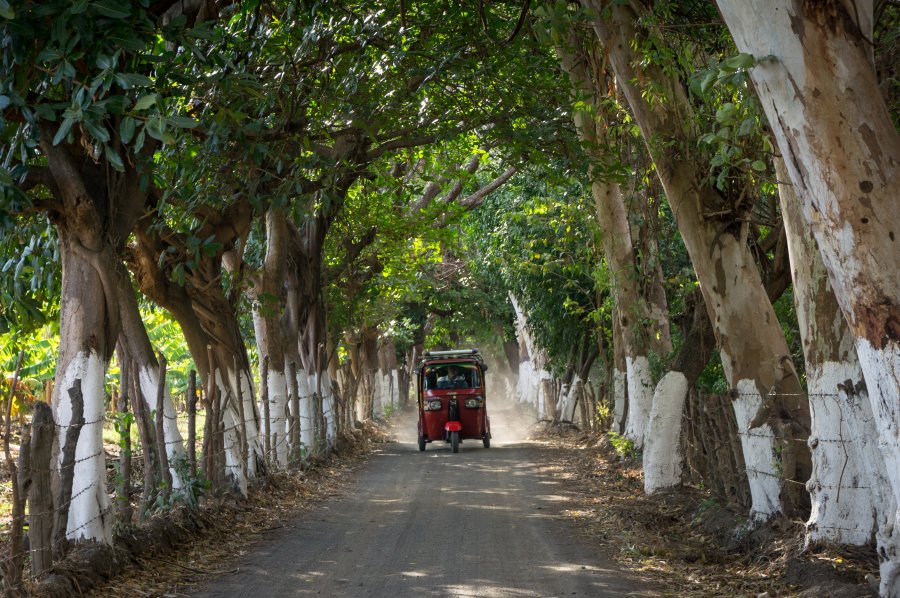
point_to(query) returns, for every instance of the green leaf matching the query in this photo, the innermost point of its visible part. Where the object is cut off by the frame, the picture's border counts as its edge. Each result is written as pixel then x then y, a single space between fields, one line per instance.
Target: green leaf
pixel 48 55
pixel 6 10
pixel 63 130
pixel 126 129
pixel 154 128
pixel 758 165
pixel 129 80
pixel 114 159
pixel 708 81
pixel 97 132
pixel 182 122
pixel 146 101
pixel 112 9
pixel 741 61
pixel 726 113
pixel 4 102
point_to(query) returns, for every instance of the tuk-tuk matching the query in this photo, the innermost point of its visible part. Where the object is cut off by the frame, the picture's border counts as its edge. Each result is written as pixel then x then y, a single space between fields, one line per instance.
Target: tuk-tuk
pixel 451 398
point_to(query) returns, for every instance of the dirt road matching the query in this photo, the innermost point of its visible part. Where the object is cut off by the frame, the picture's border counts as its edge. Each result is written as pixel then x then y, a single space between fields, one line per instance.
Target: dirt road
pixel 480 523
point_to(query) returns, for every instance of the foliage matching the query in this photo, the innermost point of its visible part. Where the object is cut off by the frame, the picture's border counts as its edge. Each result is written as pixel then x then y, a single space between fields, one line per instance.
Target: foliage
pixel 538 239
pixel 30 276
pixel 624 447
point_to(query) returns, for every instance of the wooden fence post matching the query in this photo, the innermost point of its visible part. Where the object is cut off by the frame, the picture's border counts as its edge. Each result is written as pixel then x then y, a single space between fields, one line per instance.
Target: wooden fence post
pixel 40 497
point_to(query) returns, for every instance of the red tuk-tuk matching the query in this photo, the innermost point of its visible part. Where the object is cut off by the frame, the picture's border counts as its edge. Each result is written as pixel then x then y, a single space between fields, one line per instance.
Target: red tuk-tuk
pixel 451 398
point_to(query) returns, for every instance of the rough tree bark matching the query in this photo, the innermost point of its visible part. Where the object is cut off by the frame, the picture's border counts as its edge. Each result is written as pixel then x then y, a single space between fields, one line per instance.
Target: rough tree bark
pixel 95 210
pixel 272 338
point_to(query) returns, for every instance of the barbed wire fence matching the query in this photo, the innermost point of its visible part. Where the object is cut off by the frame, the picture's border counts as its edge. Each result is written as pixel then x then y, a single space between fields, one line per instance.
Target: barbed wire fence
pixel 713 445
pixel 216 459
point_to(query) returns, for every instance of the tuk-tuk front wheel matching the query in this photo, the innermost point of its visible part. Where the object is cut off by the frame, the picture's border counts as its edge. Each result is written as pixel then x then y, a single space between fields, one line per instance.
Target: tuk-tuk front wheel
pixel 421 442
pixel 454 441
pixel 486 441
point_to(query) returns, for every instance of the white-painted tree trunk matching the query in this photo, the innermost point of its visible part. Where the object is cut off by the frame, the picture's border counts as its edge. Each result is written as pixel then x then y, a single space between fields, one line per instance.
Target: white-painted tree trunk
pixel 277 426
pixel 849 489
pixel 663 459
pixel 328 409
pixel 640 398
pixel 619 399
pixel 307 411
pixel 570 399
pixel 377 395
pixel 395 388
pixel 149 381
pixel 533 375
pixel 276 385
pixel 527 384
pixel 846 491
pixel 90 517
pixel 760 457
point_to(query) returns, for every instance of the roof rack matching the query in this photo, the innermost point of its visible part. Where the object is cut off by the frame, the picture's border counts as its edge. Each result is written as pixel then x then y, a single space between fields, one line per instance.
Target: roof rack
pixel 453 353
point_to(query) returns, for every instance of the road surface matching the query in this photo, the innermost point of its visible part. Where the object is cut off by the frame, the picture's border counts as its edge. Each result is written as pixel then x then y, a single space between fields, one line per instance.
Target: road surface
pixel 480 523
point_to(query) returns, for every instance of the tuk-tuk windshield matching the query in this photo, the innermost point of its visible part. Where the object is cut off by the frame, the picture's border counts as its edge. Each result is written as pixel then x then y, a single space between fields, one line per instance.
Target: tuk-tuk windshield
pixel 453 375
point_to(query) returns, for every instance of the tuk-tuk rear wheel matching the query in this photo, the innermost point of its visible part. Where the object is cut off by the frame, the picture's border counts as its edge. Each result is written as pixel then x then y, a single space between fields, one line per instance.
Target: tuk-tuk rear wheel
pixel 486 441
pixel 454 441
pixel 421 443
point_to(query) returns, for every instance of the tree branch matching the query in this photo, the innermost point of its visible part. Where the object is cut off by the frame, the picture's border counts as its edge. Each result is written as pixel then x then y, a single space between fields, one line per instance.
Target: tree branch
pixel 476 198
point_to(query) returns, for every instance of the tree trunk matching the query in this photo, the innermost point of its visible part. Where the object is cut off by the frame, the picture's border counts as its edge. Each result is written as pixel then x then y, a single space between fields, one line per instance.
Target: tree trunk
pixel 769 403
pixel 643 331
pixel 818 87
pixel 272 338
pixel 135 348
pixel 79 398
pixel 849 487
pixel 534 381
pixel 95 210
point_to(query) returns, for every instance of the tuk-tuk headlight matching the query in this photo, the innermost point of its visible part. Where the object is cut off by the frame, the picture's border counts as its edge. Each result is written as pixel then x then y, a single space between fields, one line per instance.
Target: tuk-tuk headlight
pixel 473 403
pixel 432 405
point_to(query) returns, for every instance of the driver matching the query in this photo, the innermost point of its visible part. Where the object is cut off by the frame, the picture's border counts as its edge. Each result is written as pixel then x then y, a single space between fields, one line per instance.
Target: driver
pixel 453 379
